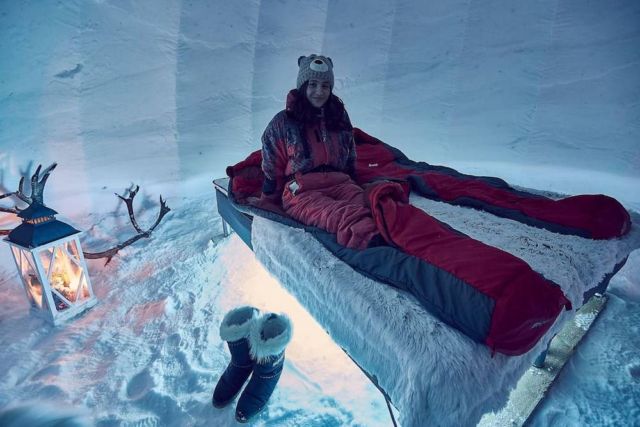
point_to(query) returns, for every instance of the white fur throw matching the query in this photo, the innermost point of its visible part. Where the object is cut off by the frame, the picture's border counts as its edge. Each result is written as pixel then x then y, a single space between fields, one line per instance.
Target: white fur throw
pixel 434 374
pixel 237 323
pixel 263 348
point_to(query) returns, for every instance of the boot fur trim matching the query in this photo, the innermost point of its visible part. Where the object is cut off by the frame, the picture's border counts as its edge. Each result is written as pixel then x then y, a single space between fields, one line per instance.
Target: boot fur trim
pixel 269 336
pixel 236 324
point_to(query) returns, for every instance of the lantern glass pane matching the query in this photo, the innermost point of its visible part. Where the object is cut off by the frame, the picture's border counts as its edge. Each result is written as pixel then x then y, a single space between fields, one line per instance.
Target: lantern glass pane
pixel 65 276
pixel 16 256
pixel 72 249
pixel 45 259
pixel 30 277
pixel 84 289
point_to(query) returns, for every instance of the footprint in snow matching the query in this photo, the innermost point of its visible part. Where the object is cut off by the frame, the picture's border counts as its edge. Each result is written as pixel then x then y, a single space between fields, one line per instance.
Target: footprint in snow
pixel 139 385
pixel 634 371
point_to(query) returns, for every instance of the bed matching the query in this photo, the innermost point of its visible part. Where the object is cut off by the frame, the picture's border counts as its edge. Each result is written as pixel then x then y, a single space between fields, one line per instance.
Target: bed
pixel 432 373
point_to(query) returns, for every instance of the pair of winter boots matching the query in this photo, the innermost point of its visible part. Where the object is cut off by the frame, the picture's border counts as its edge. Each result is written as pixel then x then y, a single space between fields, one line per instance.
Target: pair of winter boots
pixel 256 343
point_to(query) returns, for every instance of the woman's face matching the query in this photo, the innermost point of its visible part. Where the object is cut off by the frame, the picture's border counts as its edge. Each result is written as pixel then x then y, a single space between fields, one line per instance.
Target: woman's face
pixel 318 92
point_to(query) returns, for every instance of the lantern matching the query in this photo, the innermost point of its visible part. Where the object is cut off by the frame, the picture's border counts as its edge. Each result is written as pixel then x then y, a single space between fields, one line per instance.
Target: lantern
pixel 51 264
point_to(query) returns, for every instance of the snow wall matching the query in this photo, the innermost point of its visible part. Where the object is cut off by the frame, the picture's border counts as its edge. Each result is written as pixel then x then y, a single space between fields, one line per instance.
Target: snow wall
pixel 165 93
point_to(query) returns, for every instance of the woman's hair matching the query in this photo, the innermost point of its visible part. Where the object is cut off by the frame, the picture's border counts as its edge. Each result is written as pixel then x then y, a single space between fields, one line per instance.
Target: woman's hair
pixel 305 113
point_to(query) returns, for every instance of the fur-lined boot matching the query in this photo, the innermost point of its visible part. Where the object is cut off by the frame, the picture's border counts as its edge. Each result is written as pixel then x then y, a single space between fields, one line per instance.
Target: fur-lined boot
pixel 268 339
pixel 235 329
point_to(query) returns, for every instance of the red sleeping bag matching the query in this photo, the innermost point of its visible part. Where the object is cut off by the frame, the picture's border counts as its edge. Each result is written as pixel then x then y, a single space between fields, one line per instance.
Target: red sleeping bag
pixel 490 295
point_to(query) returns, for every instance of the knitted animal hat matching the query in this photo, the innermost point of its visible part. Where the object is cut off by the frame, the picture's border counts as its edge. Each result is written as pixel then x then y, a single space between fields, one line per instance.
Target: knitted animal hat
pixel 315 67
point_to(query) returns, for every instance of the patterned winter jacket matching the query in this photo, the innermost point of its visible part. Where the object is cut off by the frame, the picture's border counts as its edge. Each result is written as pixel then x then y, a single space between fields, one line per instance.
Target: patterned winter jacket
pixel 286 151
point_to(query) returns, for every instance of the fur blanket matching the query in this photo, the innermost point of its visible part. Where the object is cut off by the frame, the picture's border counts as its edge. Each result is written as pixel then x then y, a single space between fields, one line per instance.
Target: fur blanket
pixel 434 374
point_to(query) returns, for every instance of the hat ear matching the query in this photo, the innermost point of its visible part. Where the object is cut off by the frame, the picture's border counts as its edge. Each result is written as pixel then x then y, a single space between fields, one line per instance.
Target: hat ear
pixel 330 61
pixel 300 59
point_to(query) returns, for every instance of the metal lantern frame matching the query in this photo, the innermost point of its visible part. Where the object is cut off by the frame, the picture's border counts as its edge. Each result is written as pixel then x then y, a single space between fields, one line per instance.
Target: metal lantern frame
pixel 41 261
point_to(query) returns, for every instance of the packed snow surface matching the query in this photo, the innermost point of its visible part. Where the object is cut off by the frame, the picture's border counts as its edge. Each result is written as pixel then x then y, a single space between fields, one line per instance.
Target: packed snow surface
pixel 166 94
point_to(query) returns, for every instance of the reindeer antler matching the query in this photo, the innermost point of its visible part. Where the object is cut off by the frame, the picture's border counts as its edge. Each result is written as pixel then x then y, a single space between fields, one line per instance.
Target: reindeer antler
pixel 129 202
pixel 8 210
pixel 37 184
pixel 37 189
pixel 110 253
pixel 2 196
pixel 39 180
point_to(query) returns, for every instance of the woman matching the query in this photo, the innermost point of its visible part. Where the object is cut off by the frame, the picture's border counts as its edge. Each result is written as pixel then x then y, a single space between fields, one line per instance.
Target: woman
pixel 308 158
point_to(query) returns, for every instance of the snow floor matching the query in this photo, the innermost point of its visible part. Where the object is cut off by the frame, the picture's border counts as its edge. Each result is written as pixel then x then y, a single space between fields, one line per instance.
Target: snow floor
pixel 543 94
pixel 149 353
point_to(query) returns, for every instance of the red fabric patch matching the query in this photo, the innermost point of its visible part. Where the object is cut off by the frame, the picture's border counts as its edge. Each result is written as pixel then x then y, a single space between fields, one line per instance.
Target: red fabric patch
pixel 526 304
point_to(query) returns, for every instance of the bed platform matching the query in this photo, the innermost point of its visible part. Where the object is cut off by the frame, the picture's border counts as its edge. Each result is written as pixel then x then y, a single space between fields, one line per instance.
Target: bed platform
pixel 432 373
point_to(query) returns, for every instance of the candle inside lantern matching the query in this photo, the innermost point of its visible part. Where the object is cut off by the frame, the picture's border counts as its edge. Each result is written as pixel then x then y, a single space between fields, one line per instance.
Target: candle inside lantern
pixel 60 282
pixel 65 277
